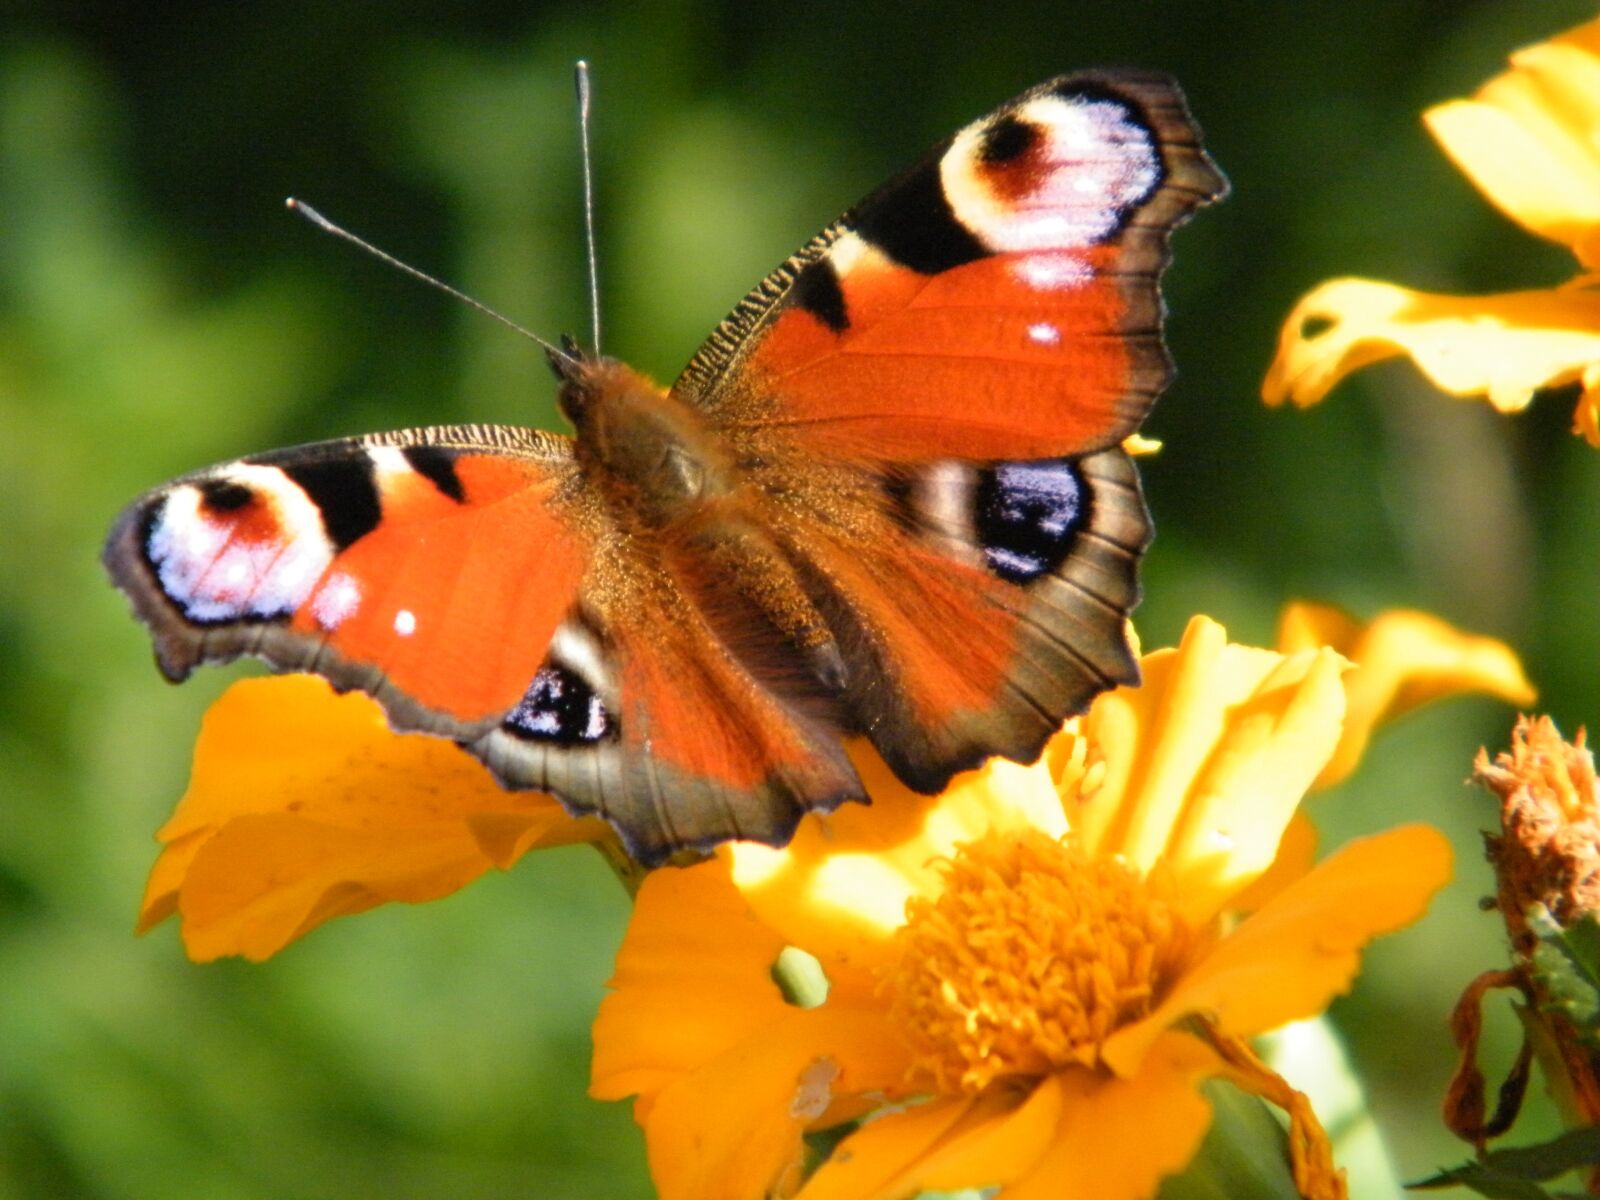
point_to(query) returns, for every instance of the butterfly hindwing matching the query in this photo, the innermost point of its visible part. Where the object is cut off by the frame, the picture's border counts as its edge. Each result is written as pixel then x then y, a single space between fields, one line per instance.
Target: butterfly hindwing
pixel 657 727
pixel 978 603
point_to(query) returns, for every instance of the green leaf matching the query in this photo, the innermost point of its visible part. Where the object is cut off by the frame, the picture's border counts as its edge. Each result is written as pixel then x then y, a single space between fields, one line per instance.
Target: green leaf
pixel 1245 1155
pixel 1565 966
pixel 1486 1182
pixel 1510 1174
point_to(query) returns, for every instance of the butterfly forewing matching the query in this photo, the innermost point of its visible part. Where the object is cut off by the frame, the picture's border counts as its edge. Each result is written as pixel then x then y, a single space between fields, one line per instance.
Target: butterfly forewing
pixel 429 567
pixel 1000 300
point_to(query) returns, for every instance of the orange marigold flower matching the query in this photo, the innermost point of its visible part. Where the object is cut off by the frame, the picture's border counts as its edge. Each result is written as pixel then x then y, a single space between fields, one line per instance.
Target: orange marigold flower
pixel 1022 981
pixel 303 806
pixel 1530 141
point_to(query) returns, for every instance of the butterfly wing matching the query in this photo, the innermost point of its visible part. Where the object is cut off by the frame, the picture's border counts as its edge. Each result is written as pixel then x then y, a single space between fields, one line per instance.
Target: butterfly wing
pixel 444 572
pixel 934 389
pixel 1000 300
pixel 429 567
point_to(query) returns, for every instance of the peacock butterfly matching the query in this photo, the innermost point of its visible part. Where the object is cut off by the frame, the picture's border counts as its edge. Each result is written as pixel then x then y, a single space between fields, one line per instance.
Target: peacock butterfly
pixel 886 497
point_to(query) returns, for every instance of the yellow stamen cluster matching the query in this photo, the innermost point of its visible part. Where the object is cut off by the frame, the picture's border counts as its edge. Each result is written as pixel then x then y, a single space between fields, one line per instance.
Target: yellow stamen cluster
pixel 1030 957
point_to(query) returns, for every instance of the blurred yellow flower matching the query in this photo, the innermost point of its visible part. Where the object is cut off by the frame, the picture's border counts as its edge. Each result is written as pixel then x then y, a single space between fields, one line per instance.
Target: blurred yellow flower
pixel 1022 981
pixel 303 806
pixel 1400 660
pixel 1530 141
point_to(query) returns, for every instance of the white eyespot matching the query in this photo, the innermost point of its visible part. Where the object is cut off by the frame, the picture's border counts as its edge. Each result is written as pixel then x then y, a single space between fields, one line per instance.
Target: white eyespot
pixel 405 622
pixel 1044 333
pixel 227 564
pixel 1095 162
pixel 336 600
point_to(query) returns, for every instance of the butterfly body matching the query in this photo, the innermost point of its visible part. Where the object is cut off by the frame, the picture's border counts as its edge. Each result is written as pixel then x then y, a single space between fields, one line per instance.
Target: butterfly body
pixel 887 498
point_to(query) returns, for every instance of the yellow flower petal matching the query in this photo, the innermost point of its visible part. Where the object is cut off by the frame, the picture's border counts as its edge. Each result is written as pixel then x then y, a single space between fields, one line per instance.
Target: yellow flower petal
pixel 1118 1138
pixel 1206 761
pixel 1503 347
pixel 1301 948
pixel 839 889
pixel 1403 659
pixel 1586 417
pixel 303 805
pixel 693 978
pixel 732 1127
pixel 1297 854
pixel 1527 140
pixel 693 985
pixel 944 1145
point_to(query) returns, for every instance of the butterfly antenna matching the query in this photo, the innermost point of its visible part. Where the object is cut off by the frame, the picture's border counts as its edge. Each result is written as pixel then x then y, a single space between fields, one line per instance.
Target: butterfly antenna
pixel 321 222
pixel 581 79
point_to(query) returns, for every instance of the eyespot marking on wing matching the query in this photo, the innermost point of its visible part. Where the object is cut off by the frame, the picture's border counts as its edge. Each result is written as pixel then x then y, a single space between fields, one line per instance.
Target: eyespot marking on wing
pixel 246 544
pixel 1026 515
pixel 559 707
pixel 564 702
pixel 1062 170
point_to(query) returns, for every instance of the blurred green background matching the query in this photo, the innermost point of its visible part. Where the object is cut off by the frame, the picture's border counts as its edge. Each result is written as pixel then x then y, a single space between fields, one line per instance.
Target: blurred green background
pixel 159 310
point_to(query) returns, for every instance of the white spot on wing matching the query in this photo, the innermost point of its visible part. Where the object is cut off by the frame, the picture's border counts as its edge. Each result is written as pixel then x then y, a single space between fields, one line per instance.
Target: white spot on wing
pixel 1044 333
pixel 845 253
pixel 595 720
pixel 405 622
pixel 336 600
pixel 389 468
pixel 1054 272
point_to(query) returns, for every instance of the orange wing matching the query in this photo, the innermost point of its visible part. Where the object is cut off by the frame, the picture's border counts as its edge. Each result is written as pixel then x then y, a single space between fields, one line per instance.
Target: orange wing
pixel 933 392
pixel 654 724
pixel 444 571
pixel 1000 300
pixel 430 567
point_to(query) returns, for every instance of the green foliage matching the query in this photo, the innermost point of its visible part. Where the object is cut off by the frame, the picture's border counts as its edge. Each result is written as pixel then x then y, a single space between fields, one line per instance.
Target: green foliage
pixel 1245 1155
pixel 1516 1174
pixel 1565 970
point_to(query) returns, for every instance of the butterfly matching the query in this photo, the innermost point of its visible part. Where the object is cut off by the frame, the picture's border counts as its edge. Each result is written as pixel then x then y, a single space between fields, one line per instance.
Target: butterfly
pixel 887 497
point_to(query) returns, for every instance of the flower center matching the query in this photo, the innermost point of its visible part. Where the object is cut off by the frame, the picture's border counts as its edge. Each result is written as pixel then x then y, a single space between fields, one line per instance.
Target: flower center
pixel 1031 956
